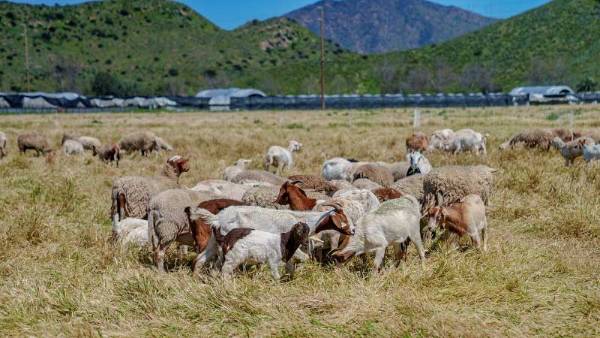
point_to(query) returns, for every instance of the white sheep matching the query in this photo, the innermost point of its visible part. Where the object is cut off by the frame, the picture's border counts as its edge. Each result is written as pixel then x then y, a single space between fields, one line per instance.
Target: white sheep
pixel 591 152
pixel 72 148
pixel 441 139
pixel 131 231
pixel 571 150
pixel 232 171
pixel 280 157
pixel 3 142
pixel 395 222
pixel 419 164
pixel 337 169
pixel 248 245
pixel 468 140
pixel 223 189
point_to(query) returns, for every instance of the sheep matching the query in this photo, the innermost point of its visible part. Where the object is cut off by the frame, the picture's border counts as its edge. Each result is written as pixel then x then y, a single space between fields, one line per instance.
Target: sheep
pixel 571 150
pixel 441 139
pixel 263 197
pixel 87 142
pixel 245 244
pixel 386 194
pixel 446 185
pixel 591 152
pixel 232 171
pixel 398 169
pixel 464 217
pixel 337 169
pixel 412 185
pixel 376 173
pixel 531 138
pixel 33 141
pixel 417 142
pixel 365 184
pixel 258 176
pixel 71 148
pixel 3 142
pixel 593 133
pixel 312 182
pixel 131 231
pixel 280 157
pixel 108 153
pixel 365 197
pixel 131 194
pixel 168 222
pixel 270 220
pixel 565 134
pixel 342 185
pixel 468 140
pixel 419 164
pixel 223 189
pixel 144 142
pixel 395 222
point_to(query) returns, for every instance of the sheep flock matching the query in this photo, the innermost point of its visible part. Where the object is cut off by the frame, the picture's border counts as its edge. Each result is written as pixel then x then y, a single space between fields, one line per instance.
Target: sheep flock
pixel 192 224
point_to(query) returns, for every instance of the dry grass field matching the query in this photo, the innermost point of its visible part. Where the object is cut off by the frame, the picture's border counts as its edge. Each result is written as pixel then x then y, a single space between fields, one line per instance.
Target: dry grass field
pixel 61 276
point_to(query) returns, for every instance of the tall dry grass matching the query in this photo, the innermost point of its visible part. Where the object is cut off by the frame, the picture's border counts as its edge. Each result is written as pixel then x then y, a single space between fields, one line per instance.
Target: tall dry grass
pixel 59 274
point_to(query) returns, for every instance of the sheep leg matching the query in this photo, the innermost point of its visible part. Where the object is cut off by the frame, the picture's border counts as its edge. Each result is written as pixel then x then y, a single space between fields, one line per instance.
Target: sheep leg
pixel 416 238
pixel 228 268
pixel 159 258
pixel 475 240
pixel 274 265
pixel 207 255
pixel 379 255
pixel 484 237
pixel 290 268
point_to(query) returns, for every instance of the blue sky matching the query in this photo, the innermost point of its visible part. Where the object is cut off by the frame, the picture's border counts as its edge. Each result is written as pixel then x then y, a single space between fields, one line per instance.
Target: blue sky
pixel 233 13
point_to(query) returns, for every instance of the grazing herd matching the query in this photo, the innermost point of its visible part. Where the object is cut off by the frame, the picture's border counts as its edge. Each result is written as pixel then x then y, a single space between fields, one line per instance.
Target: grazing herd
pixel 352 208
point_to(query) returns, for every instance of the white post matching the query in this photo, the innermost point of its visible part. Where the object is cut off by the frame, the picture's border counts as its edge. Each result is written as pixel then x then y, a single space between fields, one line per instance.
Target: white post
pixel 416 119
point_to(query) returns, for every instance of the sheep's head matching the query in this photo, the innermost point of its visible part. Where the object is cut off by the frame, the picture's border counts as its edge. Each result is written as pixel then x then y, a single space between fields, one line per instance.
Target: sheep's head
pixel 180 164
pixel 414 158
pixel 336 220
pixel 295 146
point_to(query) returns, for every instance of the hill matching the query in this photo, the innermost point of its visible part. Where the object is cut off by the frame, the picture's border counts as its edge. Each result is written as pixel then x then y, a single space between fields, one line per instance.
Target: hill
pixel 375 26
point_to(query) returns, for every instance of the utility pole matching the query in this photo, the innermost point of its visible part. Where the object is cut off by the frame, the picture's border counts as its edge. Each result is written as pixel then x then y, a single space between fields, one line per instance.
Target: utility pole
pixel 322 58
pixel 27 80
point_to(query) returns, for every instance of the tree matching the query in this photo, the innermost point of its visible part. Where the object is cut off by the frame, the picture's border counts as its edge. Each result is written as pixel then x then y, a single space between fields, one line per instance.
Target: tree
pixel 418 80
pixel 444 76
pixel 478 77
pixel 388 77
pixel 587 85
pixel 65 73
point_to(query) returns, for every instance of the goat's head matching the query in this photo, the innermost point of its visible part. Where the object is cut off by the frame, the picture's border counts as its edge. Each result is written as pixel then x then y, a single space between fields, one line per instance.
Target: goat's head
pixel 335 219
pixel 295 145
pixel 300 232
pixel 180 164
pixel 435 217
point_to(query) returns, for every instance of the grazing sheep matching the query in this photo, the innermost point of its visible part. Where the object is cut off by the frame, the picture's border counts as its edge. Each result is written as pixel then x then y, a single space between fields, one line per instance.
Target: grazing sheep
pixel 337 169
pixel 108 153
pixel 468 140
pixel 565 134
pixel 144 142
pixel 131 231
pixel 3 142
pixel 258 176
pixel 131 194
pixel 441 139
pixel 168 222
pixel 398 169
pixel 446 185
pixel 571 150
pixel 280 157
pixel 591 152
pixel 531 138
pixel 33 141
pixel 395 222
pixel 232 171
pixel 365 184
pixel 593 133
pixel 223 189
pixel 419 164
pixel 87 142
pixel 412 185
pixel 417 142
pixel 249 245
pixel 374 172
pixel 72 148
pixel 386 194
pixel 312 182
pixel 465 217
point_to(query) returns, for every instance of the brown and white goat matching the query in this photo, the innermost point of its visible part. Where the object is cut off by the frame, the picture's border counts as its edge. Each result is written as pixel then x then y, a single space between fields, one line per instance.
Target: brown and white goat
pixel 295 197
pixel 466 217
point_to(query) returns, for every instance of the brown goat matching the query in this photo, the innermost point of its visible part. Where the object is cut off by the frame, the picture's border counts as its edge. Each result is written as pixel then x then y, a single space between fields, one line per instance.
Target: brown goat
pixel 386 194
pixel 417 142
pixel 108 153
pixel 295 197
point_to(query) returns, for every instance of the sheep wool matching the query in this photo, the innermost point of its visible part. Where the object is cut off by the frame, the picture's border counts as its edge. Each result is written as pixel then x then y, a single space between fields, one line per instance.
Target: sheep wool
pixel 376 173
pixel 412 185
pixel 263 197
pixel 72 147
pixel 145 142
pixel 258 176
pixel 33 141
pixel 447 185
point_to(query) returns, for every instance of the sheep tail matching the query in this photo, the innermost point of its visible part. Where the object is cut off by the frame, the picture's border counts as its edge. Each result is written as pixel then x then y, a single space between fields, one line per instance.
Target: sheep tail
pixel 153 220
pixel 208 217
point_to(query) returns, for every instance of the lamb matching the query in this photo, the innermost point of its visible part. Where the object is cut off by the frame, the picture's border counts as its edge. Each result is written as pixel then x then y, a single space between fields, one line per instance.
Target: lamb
pixel 270 220
pixel 312 182
pixel 446 185
pixel 412 185
pixel 571 150
pixel 419 164
pixel 417 142
pixel 232 171
pixel 245 244
pixel 441 139
pixel 591 152
pixel 386 194
pixel 531 138
pixel 108 153
pixel 464 217
pixel 71 148
pixel 168 222
pixel 395 222
pixel 87 142
pixel 33 141
pixel 3 142
pixel 131 194
pixel 374 172
pixel 337 169
pixel 280 157
pixel 131 231
pixel 144 142
pixel 468 140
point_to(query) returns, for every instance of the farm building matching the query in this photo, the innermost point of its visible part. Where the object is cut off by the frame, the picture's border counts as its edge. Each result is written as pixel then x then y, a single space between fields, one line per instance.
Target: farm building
pixel 545 94
pixel 220 99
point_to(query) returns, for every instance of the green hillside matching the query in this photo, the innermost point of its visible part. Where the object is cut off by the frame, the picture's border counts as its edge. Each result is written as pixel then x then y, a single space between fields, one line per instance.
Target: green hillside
pixel 162 47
